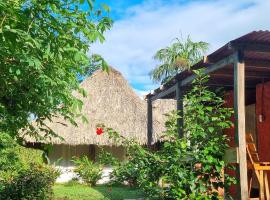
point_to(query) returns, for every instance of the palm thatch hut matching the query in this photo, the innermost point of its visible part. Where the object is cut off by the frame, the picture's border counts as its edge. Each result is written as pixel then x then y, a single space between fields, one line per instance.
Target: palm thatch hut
pixel 112 102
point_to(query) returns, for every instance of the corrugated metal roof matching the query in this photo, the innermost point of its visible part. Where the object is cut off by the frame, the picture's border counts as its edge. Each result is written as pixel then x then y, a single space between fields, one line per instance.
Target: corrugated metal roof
pixel 255 37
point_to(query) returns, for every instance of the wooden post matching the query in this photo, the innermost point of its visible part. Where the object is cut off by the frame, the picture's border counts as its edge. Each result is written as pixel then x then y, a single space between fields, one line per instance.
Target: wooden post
pixel 240 130
pixel 149 121
pixel 179 107
pixel 92 152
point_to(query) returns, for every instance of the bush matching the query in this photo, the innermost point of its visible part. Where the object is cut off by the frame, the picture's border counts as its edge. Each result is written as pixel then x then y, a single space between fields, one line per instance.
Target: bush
pixel 183 168
pixel 87 170
pixel 107 159
pixel 34 183
pixel 125 173
pixel 22 172
pixel 15 157
pixel 10 157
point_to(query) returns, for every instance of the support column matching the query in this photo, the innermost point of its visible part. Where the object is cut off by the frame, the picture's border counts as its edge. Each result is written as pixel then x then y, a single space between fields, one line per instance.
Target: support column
pixel 240 132
pixel 149 121
pixel 179 108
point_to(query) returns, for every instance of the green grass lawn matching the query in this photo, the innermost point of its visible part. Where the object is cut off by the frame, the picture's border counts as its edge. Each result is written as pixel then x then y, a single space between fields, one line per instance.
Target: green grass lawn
pixel 84 192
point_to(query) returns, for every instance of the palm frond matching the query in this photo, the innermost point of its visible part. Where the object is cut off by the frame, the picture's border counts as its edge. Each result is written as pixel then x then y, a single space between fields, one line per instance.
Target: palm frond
pixel 181 55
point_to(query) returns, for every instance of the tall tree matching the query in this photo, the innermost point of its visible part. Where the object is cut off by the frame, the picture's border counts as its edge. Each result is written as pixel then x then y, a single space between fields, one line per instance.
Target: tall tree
pixel 43 48
pixel 181 55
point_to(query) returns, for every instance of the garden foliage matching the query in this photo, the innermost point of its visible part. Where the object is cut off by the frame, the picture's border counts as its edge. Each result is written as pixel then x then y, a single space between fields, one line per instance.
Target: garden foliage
pixel 22 172
pixel 190 167
pixel 106 159
pixel 34 183
pixel 10 157
pixel 44 49
pixel 15 157
pixel 87 170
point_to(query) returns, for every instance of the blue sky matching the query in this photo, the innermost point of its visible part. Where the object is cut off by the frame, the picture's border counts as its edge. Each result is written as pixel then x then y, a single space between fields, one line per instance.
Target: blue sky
pixel 141 27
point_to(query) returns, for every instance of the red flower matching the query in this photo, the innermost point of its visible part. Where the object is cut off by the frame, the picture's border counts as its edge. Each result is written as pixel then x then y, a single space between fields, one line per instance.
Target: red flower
pixel 99 131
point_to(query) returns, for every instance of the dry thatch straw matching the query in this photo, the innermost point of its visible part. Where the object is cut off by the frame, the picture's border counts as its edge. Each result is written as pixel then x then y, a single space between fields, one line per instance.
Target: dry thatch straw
pixel 112 102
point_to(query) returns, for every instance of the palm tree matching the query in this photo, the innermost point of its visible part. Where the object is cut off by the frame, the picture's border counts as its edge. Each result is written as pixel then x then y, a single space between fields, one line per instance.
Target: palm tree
pixel 181 55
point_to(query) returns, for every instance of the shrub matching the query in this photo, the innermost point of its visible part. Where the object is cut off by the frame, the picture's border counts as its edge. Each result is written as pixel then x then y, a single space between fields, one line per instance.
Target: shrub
pixel 15 157
pixel 87 170
pixel 9 159
pixel 34 183
pixel 184 168
pixel 107 159
pixel 22 172
pixel 125 173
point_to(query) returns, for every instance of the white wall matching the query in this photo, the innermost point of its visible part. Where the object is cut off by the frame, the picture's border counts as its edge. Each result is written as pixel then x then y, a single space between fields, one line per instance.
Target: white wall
pixel 66 152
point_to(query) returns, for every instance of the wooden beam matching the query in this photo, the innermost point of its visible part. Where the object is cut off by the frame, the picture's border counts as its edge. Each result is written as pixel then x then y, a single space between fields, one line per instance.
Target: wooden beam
pixel 240 130
pixel 180 109
pixel 149 122
pixel 218 65
pixel 250 86
pixel 34 145
pixel 165 92
pixel 258 64
pixel 252 65
pixel 247 76
pixel 92 152
pixel 249 71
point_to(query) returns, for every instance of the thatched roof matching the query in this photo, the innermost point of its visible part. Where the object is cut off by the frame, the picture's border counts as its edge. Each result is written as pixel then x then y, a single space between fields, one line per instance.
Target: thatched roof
pixel 112 102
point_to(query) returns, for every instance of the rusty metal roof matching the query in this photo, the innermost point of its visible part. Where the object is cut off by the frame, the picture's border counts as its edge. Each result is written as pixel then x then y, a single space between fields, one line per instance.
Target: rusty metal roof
pixel 255 37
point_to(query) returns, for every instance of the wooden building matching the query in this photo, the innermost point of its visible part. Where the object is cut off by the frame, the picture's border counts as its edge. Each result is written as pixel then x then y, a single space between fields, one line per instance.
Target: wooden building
pixel 242 66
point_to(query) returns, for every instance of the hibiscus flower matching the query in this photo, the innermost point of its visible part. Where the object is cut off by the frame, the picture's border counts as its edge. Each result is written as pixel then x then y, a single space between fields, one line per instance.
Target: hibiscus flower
pixel 99 131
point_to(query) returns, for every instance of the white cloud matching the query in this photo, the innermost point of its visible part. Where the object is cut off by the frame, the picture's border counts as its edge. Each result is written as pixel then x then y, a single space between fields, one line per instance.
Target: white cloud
pixel 147 27
pixel 141 93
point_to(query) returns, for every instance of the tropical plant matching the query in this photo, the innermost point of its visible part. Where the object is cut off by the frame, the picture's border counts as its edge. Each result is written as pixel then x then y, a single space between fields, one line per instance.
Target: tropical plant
pixel 185 168
pixel 127 172
pixel 181 55
pixel 88 171
pixel 105 158
pixel 44 46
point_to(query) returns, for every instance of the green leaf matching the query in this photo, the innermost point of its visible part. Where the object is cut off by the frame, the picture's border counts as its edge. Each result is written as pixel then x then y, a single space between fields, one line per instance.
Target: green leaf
pixel 211 129
pixel 18 72
pixel 48 49
pixel 100 37
pixel 53 7
pixel 84 119
pixel 105 7
pixel 37 63
pixel 77 56
pixel 90 4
